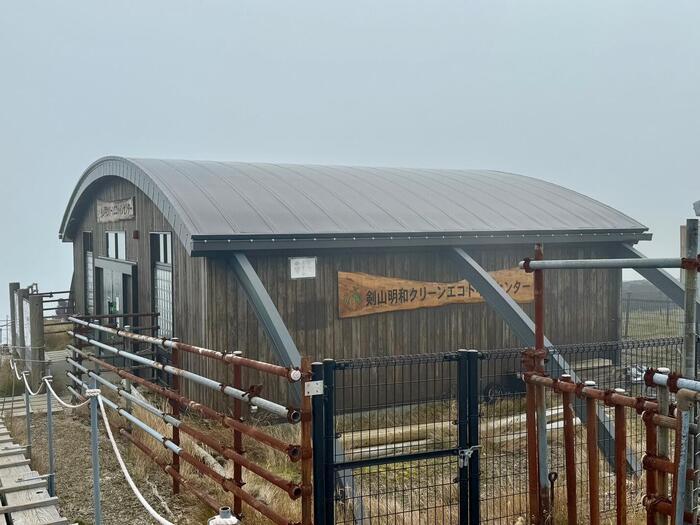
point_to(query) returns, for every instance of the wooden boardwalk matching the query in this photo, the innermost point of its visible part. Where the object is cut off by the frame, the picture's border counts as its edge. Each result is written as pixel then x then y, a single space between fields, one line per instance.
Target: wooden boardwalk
pixel 14 406
pixel 24 497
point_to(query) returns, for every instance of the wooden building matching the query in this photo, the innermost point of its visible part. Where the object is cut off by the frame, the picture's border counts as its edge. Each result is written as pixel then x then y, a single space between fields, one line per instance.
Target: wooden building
pixel 334 261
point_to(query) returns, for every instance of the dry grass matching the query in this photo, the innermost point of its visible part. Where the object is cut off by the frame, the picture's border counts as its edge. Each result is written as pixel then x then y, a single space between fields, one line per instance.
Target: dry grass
pixel 57 338
pixel 391 494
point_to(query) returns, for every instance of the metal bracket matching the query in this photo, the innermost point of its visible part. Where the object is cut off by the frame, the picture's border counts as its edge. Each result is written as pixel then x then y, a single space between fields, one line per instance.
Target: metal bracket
pixel 465 455
pixel 313 388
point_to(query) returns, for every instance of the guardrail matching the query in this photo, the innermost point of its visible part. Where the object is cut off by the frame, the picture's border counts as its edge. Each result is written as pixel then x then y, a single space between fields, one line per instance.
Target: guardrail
pixel 88 377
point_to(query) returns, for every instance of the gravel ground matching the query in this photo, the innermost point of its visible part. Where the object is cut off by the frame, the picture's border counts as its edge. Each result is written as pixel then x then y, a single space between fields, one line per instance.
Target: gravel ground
pixel 74 476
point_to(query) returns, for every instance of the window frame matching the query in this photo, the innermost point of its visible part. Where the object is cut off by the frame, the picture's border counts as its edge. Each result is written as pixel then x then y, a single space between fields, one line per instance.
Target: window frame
pixel 119 244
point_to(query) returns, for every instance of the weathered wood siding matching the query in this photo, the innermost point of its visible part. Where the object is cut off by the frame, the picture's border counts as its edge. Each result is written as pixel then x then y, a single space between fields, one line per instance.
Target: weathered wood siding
pixel 188 295
pixel 582 306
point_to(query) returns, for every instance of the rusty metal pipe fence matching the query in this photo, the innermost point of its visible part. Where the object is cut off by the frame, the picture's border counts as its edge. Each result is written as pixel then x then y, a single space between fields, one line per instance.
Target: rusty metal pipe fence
pixel 300 453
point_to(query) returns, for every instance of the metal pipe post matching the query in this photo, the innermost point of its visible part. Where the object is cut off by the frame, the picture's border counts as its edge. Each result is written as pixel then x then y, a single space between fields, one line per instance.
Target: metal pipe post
pixel 95 454
pixel 175 409
pixel 651 475
pixel 681 460
pixel 28 420
pixel 690 339
pixel 49 432
pixel 319 489
pixel 329 437
pixel 474 485
pixel 306 453
pixel 593 461
pixel 570 452
pixel 543 470
pixel 620 467
pixel 237 436
pixel 664 442
pixel 463 433
pixel 627 314
pixel 532 450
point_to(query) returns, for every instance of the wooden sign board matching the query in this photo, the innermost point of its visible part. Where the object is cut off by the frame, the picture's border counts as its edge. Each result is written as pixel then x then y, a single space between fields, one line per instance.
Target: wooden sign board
pixel 364 294
pixel 113 211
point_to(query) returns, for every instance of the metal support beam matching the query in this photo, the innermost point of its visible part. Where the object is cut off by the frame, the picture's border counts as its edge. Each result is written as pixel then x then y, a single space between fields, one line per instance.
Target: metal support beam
pixel 524 329
pixel 266 311
pixel 666 283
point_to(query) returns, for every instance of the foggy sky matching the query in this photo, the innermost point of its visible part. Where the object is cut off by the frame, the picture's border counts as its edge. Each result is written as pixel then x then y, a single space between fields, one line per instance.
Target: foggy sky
pixel 601 97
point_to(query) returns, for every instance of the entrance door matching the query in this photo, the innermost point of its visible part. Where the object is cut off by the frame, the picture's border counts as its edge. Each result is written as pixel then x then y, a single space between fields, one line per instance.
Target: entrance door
pixel 116 288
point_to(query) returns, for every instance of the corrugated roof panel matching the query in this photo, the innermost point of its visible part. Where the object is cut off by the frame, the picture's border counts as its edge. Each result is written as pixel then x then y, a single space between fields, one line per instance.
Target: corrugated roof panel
pixel 238 200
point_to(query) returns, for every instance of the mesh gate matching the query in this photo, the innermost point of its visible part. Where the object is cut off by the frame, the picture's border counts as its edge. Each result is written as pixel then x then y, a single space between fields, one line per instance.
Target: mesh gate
pixel 395 440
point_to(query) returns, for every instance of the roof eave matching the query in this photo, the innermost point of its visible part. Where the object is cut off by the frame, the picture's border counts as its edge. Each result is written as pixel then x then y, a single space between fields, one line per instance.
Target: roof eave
pixel 203 245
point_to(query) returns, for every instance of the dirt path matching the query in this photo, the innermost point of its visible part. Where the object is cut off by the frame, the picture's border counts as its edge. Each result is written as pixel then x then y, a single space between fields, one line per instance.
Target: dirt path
pixel 74 476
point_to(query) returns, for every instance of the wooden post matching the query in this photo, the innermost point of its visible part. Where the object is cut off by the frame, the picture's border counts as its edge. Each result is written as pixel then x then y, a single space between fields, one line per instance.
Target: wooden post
pixel 36 361
pixel 13 339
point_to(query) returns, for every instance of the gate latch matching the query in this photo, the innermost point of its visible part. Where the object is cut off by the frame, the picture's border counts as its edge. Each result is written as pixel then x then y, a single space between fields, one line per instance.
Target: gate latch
pixel 313 388
pixel 465 454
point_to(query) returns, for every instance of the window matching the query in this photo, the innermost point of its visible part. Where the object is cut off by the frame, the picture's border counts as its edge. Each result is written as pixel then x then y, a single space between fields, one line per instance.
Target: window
pixel 116 245
pixel 163 248
pixel 162 256
pixel 89 277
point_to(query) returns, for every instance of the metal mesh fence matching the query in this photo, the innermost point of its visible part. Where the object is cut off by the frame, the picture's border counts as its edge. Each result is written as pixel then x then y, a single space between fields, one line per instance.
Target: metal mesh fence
pixel 650 318
pixel 502 422
pixel 389 413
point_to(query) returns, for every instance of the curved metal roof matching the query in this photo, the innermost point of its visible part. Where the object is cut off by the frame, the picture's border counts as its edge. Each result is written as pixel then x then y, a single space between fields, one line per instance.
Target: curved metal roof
pixel 226 203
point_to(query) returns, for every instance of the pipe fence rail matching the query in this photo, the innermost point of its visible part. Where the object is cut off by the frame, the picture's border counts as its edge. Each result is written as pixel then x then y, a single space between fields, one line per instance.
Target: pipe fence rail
pixel 89 375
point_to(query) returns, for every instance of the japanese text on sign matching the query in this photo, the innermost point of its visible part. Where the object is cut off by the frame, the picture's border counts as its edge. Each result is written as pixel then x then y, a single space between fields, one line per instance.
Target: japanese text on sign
pixel 364 294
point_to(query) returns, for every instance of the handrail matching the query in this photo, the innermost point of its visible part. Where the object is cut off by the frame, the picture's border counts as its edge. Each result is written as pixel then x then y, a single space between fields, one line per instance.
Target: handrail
pixel 291 374
pixel 292 415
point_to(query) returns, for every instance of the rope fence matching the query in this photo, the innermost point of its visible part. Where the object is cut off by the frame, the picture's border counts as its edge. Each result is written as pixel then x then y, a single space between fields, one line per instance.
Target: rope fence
pixel 92 356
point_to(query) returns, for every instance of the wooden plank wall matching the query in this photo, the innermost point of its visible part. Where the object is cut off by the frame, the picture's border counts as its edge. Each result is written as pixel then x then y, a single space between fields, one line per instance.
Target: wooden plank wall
pixel 187 271
pixel 583 306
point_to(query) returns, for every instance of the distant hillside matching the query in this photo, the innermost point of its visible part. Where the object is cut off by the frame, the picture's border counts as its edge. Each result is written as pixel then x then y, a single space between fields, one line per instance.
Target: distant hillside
pixel 642 290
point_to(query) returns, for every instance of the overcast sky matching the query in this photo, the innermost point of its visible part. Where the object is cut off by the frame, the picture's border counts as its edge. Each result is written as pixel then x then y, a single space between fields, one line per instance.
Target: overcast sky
pixel 601 97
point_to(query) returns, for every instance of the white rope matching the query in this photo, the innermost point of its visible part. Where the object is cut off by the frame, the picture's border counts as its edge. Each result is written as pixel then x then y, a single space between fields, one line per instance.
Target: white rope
pixel 160 519
pixel 29 390
pixel 60 401
pixel 13 366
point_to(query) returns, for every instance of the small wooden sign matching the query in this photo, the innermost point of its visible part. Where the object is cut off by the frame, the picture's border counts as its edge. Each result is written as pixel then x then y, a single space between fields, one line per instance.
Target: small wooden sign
pixel 364 294
pixel 113 211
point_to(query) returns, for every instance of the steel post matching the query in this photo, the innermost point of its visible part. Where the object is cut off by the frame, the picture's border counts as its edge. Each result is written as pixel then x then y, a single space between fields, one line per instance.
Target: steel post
pixel 49 432
pixel 532 451
pixel 474 474
pixel 329 438
pixel 543 469
pixel 319 489
pixel 28 420
pixel 690 339
pixel 620 470
pixel 463 433
pixel 306 453
pixel 681 461
pixel 175 410
pixel 570 452
pixel 593 461
pixel 652 476
pixel 664 442
pixel 95 454
pixel 237 436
